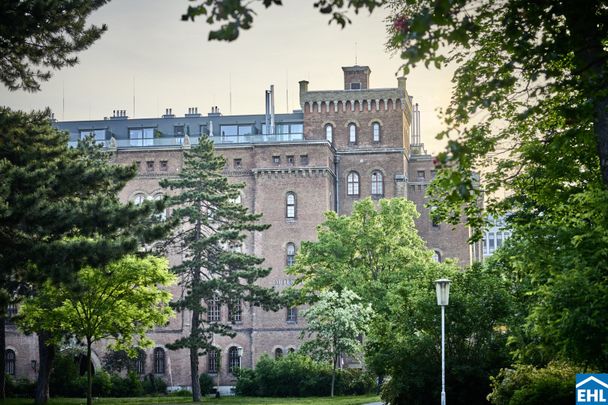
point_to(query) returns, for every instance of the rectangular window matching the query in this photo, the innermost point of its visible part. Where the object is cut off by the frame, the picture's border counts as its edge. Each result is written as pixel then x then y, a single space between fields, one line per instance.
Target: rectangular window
pixel 141 136
pixel 237 163
pixel 150 165
pixel 229 133
pixel 164 165
pixel 214 310
pixel 292 314
pixel 213 361
pixel 99 135
pixel 235 311
pixel 178 130
pixel 420 174
pixel 276 160
pixel 304 160
pixel 355 86
pixel 290 160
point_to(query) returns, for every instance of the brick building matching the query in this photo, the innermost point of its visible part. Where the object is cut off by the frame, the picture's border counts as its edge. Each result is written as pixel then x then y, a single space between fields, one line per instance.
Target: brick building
pixel 342 146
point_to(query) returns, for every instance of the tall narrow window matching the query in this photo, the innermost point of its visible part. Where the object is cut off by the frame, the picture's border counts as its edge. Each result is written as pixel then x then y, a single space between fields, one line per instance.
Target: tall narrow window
pixel 139 199
pixel 352 133
pixel 140 362
pixel 163 214
pixel 213 361
pixel 329 133
pixel 214 309
pixel 234 360
pixel 278 353
pixel 9 362
pixel 377 184
pixel 159 361
pixel 235 311
pixel 352 183
pixel 376 132
pixel 291 254
pixel 290 205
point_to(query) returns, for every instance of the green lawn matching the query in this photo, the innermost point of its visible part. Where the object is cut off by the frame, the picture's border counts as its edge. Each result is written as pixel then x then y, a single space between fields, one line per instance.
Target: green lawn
pixel 356 400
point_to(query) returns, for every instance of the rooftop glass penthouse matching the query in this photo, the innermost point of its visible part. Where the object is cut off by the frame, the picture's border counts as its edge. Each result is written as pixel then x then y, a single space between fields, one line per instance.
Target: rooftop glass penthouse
pixel 118 131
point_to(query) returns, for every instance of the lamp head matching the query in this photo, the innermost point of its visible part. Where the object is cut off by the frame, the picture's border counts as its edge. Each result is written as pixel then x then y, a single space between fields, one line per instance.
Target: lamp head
pixel 442 287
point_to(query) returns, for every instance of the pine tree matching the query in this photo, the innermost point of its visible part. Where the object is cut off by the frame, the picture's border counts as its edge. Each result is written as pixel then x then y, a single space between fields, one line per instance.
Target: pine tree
pixel 59 212
pixel 213 226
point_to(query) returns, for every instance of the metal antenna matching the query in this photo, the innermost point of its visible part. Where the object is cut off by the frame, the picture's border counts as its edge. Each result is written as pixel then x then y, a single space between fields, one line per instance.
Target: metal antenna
pixel 133 96
pixel 287 90
pixel 230 91
pixel 355 53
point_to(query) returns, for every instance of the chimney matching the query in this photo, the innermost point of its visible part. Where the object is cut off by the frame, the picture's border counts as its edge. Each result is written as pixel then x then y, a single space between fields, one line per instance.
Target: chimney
pixel 193 112
pixel 168 113
pixel 303 87
pixel 119 115
pixel 401 81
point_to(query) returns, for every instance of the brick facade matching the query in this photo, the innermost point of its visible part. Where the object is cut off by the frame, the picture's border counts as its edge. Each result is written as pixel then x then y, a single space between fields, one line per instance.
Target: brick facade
pixel 315 169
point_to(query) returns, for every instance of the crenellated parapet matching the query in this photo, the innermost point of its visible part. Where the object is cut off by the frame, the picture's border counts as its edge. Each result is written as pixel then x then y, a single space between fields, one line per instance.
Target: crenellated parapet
pixel 306 172
pixel 361 100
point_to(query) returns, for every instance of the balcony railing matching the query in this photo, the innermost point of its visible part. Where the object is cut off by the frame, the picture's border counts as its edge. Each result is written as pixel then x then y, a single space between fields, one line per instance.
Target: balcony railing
pixel 193 140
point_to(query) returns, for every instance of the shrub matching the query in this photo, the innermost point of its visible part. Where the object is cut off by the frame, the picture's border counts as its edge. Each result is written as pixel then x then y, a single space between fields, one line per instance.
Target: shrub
pixel 206 383
pixel 129 386
pixel 21 388
pixel 531 386
pixel 154 385
pixel 65 380
pixel 299 376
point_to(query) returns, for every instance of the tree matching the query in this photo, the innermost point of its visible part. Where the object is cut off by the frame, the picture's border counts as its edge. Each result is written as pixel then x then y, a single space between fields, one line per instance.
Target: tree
pixel 59 212
pixel 408 347
pixel 335 323
pixel 368 252
pixel 37 36
pixel 121 301
pixel 212 230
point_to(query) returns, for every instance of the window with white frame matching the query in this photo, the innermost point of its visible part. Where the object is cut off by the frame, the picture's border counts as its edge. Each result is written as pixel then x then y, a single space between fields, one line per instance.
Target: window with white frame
pixel 352 183
pixel 234 360
pixel 213 361
pixel 377 184
pixel 141 136
pixel 376 132
pixel 352 133
pixel 291 254
pixel 139 199
pixel 214 309
pixel 290 205
pixel 329 133
pixel 292 314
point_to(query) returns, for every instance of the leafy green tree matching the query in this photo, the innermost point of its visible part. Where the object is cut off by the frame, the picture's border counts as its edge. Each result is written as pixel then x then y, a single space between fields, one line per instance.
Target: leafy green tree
pixel 408 344
pixel 37 36
pixel 59 212
pixel 121 301
pixel 368 252
pixel 212 229
pixel 334 324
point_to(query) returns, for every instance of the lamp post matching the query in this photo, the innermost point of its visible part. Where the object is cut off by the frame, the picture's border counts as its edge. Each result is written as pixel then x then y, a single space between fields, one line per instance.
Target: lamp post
pixel 442 287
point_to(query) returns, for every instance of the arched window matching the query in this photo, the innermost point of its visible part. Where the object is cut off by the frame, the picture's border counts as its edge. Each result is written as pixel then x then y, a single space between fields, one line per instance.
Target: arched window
pixel 163 214
pixel 377 184
pixel 376 132
pixel 213 360
pixel 352 133
pixel 234 360
pixel 9 362
pixel 352 183
pixel 329 133
pixel 291 350
pixel 437 256
pixel 278 353
pixel 290 200
pixel 159 361
pixel 140 362
pixel 139 199
pixel 291 254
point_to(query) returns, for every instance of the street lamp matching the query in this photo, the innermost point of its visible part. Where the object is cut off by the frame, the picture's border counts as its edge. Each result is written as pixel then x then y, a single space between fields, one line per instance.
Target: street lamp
pixel 442 287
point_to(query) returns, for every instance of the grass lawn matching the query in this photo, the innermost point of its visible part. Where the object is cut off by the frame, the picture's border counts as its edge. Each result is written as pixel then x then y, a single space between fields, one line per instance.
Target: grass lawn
pixel 354 400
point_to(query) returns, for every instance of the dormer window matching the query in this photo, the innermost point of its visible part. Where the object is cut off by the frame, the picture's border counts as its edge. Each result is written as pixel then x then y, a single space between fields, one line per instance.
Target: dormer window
pixel 355 86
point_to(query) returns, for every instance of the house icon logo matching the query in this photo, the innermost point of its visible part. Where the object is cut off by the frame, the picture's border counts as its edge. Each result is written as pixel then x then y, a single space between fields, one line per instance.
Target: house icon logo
pixel 592 389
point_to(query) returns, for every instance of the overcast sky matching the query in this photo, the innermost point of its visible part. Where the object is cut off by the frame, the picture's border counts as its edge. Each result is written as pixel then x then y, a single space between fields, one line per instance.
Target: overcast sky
pixel 150 53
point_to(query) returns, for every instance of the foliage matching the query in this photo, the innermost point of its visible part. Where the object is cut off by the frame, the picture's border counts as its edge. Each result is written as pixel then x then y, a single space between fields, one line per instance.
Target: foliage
pixel 121 301
pixel 129 386
pixel 206 383
pixel 367 252
pixel 119 360
pixel 297 375
pixel 19 388
pixel 153 385
pixel 213 228
pixel 37 36
pixel 333 325
pixel 557 260
pixel 407 348
pixel 526 385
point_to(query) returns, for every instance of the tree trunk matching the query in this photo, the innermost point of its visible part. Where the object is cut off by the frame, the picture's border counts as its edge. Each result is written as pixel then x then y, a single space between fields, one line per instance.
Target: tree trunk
pixel 46 352
pixel 601 132
pixel 333 374
pixel 2 351
pixel 196 387
pixel 89 374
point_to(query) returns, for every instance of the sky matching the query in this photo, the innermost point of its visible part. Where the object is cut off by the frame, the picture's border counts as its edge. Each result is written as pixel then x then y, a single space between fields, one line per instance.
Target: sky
pixel 149 53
